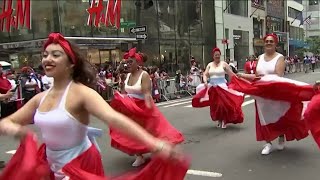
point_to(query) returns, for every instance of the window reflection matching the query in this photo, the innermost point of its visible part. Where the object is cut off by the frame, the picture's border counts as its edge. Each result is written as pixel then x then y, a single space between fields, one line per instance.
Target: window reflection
pixel 73 19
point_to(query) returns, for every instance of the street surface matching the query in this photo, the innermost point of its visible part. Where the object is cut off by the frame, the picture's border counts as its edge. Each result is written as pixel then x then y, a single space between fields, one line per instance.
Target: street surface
pixel 230 154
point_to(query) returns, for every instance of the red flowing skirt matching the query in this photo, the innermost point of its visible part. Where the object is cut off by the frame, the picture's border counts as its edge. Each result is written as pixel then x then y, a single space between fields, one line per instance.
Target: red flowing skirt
pixel 30 163
pixel 279 106
pixel 225 104
pixel 312 118
pixel 151 120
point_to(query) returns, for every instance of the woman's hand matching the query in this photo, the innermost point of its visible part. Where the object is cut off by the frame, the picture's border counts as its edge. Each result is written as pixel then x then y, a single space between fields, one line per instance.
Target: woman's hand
pixel 148 101
pixel 167 151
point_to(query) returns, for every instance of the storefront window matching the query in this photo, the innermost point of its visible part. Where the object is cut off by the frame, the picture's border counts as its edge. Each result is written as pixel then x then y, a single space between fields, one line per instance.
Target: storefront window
pixel 237 7
pixel 241 46
pixel 73 19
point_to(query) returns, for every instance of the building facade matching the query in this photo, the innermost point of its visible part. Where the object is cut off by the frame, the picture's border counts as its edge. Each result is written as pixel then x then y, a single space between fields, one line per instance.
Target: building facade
pixel 276 23
pixel 312 9
pixel 295 25
pixel 176 30
pixel 258 15
pixel 238 29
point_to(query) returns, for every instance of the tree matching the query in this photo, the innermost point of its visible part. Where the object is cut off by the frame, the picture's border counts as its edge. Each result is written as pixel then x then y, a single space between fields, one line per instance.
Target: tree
pixel 314 45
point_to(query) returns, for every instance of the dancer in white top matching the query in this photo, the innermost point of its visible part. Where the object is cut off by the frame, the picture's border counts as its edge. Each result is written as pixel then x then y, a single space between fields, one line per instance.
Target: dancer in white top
pixel 225 103
pixel 275 118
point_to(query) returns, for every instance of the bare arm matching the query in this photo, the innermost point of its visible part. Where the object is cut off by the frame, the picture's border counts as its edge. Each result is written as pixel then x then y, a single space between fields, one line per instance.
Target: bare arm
pixel 280 66
pixel 250 77
pixel 5 96
pixel 146 89
pixel 12 124
pixel 104 112
pixel 206 74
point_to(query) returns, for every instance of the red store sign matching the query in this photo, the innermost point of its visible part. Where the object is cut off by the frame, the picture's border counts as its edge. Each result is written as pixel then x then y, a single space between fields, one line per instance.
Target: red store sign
pixel 111 16
pixel 17 17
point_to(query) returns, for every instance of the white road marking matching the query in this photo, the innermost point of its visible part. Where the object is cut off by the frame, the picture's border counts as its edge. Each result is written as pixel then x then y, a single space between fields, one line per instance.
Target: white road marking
pixel 204 173
pixel 11 152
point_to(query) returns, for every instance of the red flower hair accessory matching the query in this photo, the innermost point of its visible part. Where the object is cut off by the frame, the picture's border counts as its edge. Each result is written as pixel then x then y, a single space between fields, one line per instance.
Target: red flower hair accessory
pixel 132 54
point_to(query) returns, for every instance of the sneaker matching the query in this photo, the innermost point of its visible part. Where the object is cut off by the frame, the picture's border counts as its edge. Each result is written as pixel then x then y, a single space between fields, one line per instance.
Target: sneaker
pixel 139 161
pixel 224 125
pixel 281 143
pixel 267 149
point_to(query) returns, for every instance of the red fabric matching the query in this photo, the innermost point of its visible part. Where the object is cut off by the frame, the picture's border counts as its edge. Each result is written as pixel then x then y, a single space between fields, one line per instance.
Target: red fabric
pixel 215 50
pixel 132 54
pixel 274 36
pixel 151 120
pixel 224 106
pixel 28 163
pixel 247 67
pixel 312 118
pixel 57 38
pixel 5 85
pixel 282 91
pixel 289 125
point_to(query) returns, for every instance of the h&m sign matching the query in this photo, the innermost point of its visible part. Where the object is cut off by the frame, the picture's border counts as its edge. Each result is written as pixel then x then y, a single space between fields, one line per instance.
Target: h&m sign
pixel 111 16
pixel 16 18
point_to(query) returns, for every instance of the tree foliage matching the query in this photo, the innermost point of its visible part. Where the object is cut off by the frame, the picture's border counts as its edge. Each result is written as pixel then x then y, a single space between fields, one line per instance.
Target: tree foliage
pixel 314 45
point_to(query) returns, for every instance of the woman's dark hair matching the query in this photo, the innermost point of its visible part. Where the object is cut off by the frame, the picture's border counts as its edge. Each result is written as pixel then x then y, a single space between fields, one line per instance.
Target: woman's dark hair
pixel 83 72
pixel 144 57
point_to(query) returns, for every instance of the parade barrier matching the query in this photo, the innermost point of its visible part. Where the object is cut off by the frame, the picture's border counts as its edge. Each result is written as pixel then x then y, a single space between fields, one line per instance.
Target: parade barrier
pixel 168 89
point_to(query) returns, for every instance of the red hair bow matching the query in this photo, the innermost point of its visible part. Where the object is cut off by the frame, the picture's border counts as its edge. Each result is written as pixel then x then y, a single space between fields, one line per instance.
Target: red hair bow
pixel 132 54
pixel 215 50
pixel 274 36
pixel 57 38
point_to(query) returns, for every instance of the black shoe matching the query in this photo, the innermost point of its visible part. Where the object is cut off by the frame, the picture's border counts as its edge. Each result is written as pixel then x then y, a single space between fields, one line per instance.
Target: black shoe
pixel 2 164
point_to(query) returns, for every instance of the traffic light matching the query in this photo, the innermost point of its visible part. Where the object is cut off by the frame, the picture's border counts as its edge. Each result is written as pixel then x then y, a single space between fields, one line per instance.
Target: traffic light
pixel 147 4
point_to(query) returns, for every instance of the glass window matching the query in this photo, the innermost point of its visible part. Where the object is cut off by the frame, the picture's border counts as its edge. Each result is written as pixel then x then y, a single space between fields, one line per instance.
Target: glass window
pixel 313 2
pixel 293 13
pixel 241 46
pixel 237 7
pixel 74 20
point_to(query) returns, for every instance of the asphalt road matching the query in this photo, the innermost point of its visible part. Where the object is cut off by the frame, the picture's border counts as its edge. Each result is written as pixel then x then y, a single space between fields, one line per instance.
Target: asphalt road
pixel 230 154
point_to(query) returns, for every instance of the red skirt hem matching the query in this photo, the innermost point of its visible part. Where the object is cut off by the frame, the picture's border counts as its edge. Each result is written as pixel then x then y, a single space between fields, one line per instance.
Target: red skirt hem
pixel 224 105
pixel 151 120
pixel 290 125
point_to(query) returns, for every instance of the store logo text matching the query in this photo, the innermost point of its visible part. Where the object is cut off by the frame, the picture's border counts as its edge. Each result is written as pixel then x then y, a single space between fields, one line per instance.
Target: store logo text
pixel 18 17
pixel 110 17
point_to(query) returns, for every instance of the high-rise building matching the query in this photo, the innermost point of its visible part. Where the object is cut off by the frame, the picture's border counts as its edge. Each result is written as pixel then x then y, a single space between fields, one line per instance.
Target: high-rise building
pixel 238 29
pixel 311 18
pixel 294 25
pixel 258 14
pixel 275 23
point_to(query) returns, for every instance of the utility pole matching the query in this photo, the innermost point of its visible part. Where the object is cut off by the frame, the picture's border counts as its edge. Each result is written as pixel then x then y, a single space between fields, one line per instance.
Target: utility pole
pixel 138 19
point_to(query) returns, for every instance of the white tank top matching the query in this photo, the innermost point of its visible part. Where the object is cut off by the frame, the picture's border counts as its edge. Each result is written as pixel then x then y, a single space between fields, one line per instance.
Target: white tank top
pixel 267 67
pixel 60 130
pixel 135 89
pixel 216 72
